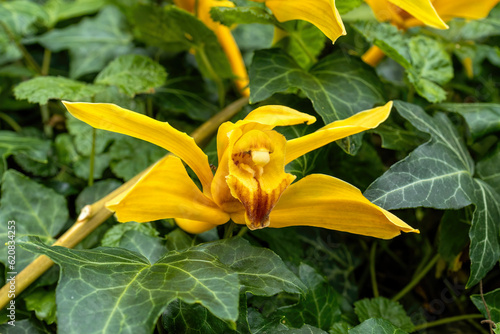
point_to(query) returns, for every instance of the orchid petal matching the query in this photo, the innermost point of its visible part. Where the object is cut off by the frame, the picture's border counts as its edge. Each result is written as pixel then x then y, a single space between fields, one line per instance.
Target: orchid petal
pixel 194 226
pixel 111 117
pixel 324 201
pixel 422 10
pixel 362 121
pixel 321 13
pixel 464 8
pixel 262 118
pixel 166 191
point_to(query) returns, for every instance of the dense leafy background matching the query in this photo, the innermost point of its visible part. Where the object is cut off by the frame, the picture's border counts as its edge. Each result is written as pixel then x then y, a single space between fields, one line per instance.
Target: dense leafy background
pixel 436 160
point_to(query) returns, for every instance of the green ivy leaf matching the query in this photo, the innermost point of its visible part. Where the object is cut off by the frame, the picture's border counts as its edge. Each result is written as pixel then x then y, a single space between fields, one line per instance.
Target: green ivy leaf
pixel 319 307
pixel 92 43
pixel 9 52
pixel 431 67
pixel 383 308
pixel 174 29
pixel 20 16
pixel 126 163
pixel 95 192
pixel 59 10
pixel 487 169
pixel 230 16
pixel 453 234
pixel 41 89
pixel 43 302
pixel 482 118
pixel 114 235
pixel 427 63
pixel 180 317
pixel 492 299
pixel 303 42
pixel 473 30
pixel 484 233
pixel 12 143
pixel 334 85
pixel 133 74
pixel 26 326
pixel 437 174
pixel 376 326
pixel 82 136
pixel 37 210
pixel 397 138
pixel 261 271
pixel 132 292
pixel 81 166
pixel 345 6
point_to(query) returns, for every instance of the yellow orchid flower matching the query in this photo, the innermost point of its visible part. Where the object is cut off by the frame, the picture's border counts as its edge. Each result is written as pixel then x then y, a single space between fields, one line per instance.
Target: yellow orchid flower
pixel 411 13
pixel 250 185
pixel 322 13
pixel 224 37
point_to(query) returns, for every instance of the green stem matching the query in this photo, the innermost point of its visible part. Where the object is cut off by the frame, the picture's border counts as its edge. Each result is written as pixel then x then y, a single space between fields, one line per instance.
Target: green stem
pixel 149 106
pixel 372 270
pixel 92 159
pixel 228 232
pixel 47 54
pixel 9 120
pixel 417 278
pixel 242 232
pixel 44 111
pixel 213 74
pixel 27 56
pixel 440 322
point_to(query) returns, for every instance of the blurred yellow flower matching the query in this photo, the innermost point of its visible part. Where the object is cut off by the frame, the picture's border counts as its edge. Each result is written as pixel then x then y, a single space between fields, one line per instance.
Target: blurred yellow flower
pixel 224 37
pixel 250 185
pixel 434 13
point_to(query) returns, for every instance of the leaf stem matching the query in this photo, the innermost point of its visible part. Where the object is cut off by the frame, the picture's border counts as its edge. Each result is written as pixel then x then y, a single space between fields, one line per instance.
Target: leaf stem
pixel 213 74
pixel 440 322
pixel 228 231
pixel 47 55
pixel 92 159
pixel 93 215
pixel 421 274
pixel 373 274
pixel 27 56
pixel 9 120
pixel 44 109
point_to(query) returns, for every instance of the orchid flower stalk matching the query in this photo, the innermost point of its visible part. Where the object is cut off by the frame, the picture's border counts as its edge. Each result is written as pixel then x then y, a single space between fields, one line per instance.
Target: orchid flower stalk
pixel 434 13
pixel 250 185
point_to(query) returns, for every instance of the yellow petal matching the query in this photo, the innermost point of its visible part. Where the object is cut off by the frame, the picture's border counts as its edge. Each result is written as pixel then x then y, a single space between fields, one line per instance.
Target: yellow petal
pixel 194 226
pixel 256 174
pixel 467 9
pixel 321 13
pixel 262 118
pixel 324 201
pixel 373 56
pixel 111 117
pixel 362 121
pixel 422 10
pixel 166 191
pixel 275 115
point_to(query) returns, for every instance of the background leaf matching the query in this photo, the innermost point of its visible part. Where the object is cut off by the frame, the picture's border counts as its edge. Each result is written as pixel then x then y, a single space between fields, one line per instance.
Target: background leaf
pixel 92 43
pixel 42 89
pixel 430 174
pixel 37 210
pixel 383 308
pixel 376 326
pixel 121 276
pixel 334 85
pixel 133 74
pixel 492 299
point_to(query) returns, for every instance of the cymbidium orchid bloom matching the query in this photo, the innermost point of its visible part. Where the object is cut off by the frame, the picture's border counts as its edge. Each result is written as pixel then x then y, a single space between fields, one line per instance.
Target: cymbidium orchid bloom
pixel 434 13
pixel 224 37
pixel 321 13
pixel 250 185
